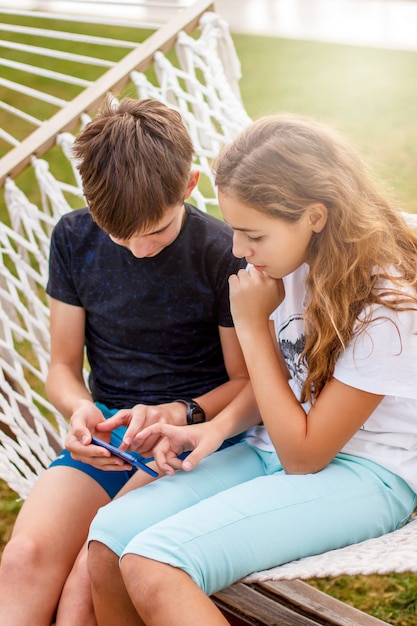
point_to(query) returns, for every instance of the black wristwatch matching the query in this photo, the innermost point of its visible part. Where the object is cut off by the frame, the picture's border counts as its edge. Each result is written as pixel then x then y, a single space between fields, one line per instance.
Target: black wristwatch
pixel 195 414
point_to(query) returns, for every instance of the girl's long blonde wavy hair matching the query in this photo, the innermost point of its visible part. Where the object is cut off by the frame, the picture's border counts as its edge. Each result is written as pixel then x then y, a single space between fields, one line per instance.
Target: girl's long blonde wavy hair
pixel 282 163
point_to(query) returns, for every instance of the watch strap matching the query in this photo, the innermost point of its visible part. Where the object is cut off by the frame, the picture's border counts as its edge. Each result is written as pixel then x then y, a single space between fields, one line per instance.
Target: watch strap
pixel 195 414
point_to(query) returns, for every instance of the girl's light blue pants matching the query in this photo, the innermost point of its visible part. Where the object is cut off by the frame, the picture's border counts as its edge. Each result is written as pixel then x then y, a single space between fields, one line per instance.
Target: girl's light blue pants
pixel 239 512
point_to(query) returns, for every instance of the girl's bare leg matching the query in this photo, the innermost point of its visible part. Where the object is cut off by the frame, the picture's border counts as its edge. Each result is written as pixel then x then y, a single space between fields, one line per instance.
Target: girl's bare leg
pixel 112 604
pixel 47 537
pixel 165 595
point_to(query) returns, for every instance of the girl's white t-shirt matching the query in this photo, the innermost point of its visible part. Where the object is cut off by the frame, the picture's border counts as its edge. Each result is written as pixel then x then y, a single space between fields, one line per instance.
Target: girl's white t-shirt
pixel 381 360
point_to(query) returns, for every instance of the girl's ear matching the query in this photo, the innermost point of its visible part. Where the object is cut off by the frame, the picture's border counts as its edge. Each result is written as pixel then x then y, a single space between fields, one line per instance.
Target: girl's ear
pixel 317 215
pixel 192 182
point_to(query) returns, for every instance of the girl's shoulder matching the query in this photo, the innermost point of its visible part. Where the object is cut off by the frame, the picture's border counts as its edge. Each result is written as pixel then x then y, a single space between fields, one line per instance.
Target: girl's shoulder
pixel 389 282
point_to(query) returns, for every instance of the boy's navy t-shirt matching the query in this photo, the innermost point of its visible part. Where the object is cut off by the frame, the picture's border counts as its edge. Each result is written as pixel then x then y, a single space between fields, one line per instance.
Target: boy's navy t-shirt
pixel 151 324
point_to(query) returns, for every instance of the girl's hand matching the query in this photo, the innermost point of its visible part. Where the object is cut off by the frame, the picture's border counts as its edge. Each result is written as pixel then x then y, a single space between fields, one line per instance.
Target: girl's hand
pixel 141 416
pixel 202 439
pixel 254 296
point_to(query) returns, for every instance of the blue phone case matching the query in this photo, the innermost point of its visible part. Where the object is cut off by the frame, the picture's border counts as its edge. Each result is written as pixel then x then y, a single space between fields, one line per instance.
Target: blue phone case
pixel 125 456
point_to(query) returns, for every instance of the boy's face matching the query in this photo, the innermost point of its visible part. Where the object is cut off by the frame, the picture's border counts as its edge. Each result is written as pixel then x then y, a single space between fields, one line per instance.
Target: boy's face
pixel 151 242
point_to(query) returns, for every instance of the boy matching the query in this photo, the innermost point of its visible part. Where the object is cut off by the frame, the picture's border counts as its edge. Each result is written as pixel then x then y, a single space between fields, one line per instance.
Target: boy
pixel 139 281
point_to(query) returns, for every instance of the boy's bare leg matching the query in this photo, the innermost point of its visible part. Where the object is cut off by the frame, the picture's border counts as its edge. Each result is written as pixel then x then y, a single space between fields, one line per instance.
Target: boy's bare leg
pixel 76 603
pixel 49 532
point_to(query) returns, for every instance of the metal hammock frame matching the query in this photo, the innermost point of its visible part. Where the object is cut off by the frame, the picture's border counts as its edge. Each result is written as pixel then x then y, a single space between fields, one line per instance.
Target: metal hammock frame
pixel 202 84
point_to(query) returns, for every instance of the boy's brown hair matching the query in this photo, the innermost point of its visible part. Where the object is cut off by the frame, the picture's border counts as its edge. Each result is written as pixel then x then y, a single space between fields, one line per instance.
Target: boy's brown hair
pixel 135 160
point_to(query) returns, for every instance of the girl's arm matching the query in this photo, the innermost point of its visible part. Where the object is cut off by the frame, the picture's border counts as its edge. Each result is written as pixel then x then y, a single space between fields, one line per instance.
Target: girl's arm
pixel 141 416
pixel 304 443
pixel 202 439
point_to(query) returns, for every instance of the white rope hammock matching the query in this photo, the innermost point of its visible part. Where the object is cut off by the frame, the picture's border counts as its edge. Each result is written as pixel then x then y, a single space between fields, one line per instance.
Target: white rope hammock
pixel 42 37
pixel 214 114
pixel 204 89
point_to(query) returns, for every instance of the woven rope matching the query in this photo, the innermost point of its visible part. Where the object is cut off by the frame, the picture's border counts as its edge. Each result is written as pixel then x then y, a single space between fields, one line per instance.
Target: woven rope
pixel 204 89
pixel 28 440
pixel 31 430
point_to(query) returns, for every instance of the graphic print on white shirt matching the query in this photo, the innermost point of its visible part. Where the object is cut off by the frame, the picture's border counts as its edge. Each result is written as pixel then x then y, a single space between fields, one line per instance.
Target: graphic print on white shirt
pixel 291 339
pixel 382 361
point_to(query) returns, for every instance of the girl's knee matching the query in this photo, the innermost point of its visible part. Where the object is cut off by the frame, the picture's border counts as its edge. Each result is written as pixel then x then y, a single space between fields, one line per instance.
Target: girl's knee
pixel 102 563
pixel 133 566
pixel 145 579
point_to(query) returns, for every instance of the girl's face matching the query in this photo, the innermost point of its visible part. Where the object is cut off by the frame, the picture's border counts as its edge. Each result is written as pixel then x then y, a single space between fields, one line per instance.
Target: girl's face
pixel 271 244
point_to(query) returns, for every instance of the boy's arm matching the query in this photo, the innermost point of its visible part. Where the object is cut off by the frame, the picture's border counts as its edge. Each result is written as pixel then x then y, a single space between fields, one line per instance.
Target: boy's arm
pixel 67 390
pixel 217 399
pixel 65 386
pixel 174 413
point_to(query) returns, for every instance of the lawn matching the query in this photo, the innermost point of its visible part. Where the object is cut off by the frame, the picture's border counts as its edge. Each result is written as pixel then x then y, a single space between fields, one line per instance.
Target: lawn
pixel 371 96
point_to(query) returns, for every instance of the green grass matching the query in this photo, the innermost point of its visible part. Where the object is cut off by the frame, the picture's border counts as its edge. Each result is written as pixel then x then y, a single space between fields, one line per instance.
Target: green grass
pixel 371 96
pixel 9 508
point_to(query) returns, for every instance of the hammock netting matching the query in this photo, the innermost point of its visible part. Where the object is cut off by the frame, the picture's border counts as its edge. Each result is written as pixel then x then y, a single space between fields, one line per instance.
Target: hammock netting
pixel 202 85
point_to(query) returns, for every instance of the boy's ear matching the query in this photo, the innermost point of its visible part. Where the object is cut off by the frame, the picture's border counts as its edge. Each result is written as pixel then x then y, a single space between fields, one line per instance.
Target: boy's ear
pixel 192 183
pixel 317 215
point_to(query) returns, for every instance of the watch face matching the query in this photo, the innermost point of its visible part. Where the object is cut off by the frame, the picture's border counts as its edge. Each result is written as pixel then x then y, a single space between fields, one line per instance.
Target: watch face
pixel 196 414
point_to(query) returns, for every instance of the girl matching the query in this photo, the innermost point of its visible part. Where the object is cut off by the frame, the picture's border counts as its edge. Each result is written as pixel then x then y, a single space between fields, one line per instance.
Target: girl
pixel 327 319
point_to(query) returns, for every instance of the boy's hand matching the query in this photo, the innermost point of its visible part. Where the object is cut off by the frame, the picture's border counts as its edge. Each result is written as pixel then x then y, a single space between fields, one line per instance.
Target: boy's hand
pixel 83 424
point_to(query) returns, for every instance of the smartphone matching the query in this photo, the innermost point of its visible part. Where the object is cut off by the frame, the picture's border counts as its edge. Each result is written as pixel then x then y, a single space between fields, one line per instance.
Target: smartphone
pixel 125 456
